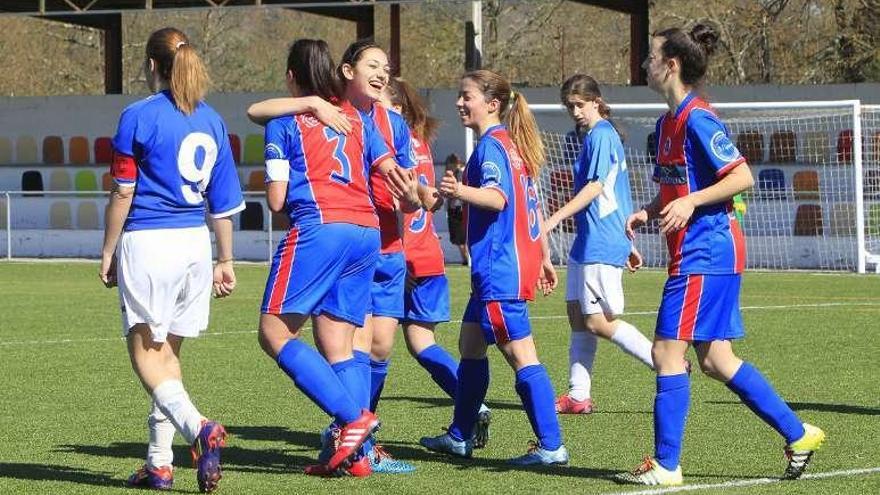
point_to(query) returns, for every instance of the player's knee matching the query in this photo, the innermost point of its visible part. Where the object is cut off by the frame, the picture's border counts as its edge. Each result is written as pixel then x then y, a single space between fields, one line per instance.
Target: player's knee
pixel 710 368
pixel 599 325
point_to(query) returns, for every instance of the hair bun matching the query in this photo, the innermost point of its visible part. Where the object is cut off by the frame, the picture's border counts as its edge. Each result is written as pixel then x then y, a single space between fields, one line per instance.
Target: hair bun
pixel 706 36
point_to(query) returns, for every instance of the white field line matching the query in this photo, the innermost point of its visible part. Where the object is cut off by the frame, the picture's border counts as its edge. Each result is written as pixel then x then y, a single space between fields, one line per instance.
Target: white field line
pixel 752 482
pixel 550 317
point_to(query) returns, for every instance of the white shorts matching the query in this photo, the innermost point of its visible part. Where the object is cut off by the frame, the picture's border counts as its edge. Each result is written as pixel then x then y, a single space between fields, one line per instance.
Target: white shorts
pixel 165 279
pixel 597 287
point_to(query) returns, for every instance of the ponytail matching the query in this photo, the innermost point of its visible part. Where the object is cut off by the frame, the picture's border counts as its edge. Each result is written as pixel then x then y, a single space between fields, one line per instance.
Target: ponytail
pixel 180 66
pixel 525 135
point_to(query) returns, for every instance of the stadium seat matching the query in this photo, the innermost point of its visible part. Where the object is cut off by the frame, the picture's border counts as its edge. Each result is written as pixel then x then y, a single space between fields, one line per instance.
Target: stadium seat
pixel 59 181
pixel 651 145
pixel 806 184
pixel 843 219
pixel 235 144
pixel 782 147
pixel 253 149
pixel 871 185
pixel 252 216
pixel 256 181
pixel 31 180
pixel 107 181
pixel 771 183
pixel 808 220
pixel 78 150
pixel 53 150
pixel 87 216
pixel 845 147
pixel 751 146
pixel 280 221
pixel 59 215
pixel 25 150
pixel 5 150
pixel 103 151
pixel 815 148
pixel 85 180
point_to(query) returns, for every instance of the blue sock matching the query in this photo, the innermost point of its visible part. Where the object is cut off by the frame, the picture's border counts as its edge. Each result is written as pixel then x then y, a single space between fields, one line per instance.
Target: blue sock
pixel 349 375
pixel 473 383
pixel 313 375
pixel 757 393
pixel 536 392
pixel 378 372
pixel 442 367
pixel 670 415
pixel 363 361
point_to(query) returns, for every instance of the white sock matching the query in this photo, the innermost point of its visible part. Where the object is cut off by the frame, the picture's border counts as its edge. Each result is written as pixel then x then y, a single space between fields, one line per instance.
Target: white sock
pixel 633 342
pixel 581 354
pixel 159 452
pixel 173 400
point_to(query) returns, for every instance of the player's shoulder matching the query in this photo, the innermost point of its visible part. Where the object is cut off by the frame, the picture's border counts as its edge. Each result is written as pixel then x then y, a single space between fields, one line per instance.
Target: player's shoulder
pixel 145 106
pixel 604 130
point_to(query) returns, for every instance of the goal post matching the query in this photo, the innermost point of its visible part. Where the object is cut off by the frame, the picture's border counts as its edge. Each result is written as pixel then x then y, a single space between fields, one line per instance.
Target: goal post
pixel 816 200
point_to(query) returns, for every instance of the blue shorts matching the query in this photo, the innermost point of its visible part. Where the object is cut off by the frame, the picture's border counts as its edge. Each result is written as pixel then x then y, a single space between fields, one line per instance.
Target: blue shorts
pixel 698 308
pixel 500 321
pixel 388 285
pixel 323 269
pixel 428 301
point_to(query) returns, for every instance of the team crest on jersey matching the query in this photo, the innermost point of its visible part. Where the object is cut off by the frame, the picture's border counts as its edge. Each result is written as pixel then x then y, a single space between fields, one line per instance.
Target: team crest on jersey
pixel 516 161
pixel 667 145
pixel 723 147
pixel 273 152
pixel 491 173
pixel 310 120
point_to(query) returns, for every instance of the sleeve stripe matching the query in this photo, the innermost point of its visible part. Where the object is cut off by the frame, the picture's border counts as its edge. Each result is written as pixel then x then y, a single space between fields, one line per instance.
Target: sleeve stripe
pixel 730 166
pixel 227 213
pixel 277 170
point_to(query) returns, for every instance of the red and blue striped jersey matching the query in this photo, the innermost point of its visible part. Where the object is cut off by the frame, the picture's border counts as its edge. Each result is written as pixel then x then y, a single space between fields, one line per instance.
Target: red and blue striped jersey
pixel 398 138
pixel 694 151
pixel 326 171
pixel 421 246
pixel 177 161
pixel 505 245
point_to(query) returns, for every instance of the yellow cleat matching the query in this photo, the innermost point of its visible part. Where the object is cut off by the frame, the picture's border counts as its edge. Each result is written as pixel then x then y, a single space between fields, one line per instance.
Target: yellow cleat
pixel 650 472
pixel 800 452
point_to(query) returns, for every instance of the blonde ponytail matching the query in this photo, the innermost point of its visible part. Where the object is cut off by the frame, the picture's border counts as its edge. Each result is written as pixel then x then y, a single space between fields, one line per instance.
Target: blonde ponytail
pixel 525 135
pixel 180 66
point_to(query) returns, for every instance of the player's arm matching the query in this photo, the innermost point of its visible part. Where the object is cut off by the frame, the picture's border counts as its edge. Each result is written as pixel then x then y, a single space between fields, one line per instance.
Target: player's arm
pixel 430 198
pixel 580 201
pixel 645 214
pixel 224 275
pixel 401 183
pixel 328 113
pixel 489 198
pixel 675 215
pixel 114 219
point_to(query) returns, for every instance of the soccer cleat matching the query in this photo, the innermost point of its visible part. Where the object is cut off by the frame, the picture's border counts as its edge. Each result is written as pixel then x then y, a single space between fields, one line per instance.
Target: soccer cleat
pixel 160 478
pixel 351 437
pixel 329 441
pixel 206 455
pixel 650 472
pixel 800 452
pixel 539 456
pixel 359 468
pixel 382 462
pixel 565 404
pixel 481 430
pixel 445 444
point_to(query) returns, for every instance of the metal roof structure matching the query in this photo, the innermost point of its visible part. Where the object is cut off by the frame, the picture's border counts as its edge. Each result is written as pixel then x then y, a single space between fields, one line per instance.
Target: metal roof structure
pixel 106 15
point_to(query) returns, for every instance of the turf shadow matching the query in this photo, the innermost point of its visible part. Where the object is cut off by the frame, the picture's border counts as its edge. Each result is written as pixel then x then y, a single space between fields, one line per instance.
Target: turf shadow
pixel 54 472
pixel 817 406
pixel 447 402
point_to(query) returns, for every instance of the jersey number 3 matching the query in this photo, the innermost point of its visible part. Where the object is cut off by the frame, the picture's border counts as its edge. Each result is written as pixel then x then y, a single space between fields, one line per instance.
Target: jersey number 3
pixel 343 175
pixel 194 146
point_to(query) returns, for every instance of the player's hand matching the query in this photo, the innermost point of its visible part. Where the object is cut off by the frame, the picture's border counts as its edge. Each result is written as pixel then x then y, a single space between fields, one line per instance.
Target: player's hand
pixel 224 279
pixel 331 116
pixel 548 279
pixel 635 221
pixel 398 181
pixel 676 214
pixel 411 193
pixel 550 224
pixel 635 260
pixel 449 186
pixel 107 272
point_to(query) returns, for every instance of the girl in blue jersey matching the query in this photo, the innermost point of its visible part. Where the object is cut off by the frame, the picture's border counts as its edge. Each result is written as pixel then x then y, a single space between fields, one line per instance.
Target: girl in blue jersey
pixel 171 153
pixel 601 249
pixel 509 258
pixel 700 170
pixel 323 267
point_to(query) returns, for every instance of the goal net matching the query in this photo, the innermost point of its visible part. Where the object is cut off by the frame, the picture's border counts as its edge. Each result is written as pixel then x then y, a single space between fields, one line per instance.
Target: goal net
pixel 814 204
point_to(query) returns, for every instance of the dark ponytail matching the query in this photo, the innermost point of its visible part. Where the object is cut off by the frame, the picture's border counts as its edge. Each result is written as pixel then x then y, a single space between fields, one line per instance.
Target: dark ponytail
pixel 692 49
pixel 313 69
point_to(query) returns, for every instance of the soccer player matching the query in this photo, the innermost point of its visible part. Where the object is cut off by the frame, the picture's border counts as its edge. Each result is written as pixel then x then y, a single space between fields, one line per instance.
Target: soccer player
pixel 700 170
pixel 171 153
pixel 426 298
pixel 601 249
pixel 509 257
pixel 323 266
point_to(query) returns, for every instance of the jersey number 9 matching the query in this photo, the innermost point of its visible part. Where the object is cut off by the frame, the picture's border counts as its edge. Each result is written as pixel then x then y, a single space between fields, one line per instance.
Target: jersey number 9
pixel 194 146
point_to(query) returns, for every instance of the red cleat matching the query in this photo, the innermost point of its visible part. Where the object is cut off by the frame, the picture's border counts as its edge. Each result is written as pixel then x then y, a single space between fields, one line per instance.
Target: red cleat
pixel 566 405
pixel 358 469
pixel 351 437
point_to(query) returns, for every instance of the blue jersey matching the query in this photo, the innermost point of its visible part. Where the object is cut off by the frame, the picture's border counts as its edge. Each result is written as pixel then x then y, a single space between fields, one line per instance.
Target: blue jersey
pixel 399 140
pixel 327 172
pixel 177 161
pixel 505 246
pixel 695 152
pixel 601 235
